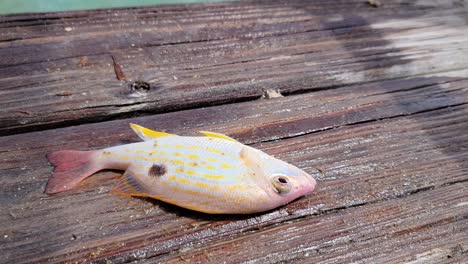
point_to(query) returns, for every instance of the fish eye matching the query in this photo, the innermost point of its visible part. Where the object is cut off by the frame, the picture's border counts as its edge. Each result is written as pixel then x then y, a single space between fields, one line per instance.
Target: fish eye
pixel 282 180
pixel 281 184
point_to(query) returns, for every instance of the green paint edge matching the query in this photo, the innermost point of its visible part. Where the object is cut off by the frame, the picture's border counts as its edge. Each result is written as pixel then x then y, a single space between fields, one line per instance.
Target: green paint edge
pixel 40 6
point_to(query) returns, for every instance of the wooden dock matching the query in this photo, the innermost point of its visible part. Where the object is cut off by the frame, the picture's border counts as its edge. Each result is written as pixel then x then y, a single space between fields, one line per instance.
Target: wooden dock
pixel 370 97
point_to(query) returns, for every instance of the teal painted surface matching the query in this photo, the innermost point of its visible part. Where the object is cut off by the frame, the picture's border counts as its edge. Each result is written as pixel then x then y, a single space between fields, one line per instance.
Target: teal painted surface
pixel 33 6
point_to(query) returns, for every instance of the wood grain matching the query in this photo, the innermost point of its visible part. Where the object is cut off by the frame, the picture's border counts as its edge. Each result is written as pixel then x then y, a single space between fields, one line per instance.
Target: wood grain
pixel 372 101
pixel 375 233
pixel 212 54
pixel 414 148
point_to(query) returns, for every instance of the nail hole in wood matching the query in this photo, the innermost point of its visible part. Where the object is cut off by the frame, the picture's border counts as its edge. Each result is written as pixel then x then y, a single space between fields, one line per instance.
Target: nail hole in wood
pixel 140 86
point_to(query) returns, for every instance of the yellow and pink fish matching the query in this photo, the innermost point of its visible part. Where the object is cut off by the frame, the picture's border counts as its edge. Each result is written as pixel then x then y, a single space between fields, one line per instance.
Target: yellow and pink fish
pixel 212 173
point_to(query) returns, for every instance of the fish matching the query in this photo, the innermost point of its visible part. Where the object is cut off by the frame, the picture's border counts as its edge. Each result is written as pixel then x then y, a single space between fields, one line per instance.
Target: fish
pixel 211 173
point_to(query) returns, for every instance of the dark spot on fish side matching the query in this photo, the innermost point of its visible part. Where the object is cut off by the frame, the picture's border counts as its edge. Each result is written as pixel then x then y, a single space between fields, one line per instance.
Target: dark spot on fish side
pixel 106 153
pixel 157 170
pixel 194 164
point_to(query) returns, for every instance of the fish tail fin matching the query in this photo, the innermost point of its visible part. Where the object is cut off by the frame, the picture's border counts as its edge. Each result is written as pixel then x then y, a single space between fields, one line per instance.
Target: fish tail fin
pixel 71 167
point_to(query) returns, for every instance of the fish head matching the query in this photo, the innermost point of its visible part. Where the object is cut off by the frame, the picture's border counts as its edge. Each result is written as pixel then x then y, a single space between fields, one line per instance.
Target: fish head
pixel 285 182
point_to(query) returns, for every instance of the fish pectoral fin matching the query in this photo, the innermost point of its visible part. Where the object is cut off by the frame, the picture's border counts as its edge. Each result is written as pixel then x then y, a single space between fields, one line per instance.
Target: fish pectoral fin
pixel 249 156
pixel 148 134
pixel 130 185
pixel 217 135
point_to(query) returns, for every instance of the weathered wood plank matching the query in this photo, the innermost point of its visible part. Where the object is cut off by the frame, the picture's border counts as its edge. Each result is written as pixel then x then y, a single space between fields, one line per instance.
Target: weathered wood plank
pixel 57 70
pixel 419 144
pixel 375 233
pixel 384 130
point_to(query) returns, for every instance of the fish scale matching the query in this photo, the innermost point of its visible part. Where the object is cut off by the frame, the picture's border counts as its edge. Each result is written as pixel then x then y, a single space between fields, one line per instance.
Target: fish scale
pixel 196 186
pixel 212 173
pixel 168 156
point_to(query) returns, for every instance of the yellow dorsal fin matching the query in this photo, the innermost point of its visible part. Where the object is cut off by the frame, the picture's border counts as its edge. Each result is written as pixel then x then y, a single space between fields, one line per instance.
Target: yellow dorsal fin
pixel 217 135
pixel 148 134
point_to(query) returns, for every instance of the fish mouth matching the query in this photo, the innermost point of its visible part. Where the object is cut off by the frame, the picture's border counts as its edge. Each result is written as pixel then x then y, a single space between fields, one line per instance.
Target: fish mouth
pixel 309 187
pixel 305 182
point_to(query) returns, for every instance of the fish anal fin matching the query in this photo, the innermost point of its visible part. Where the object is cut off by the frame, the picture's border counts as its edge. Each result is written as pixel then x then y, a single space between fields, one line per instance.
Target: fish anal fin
pixel 217 135
pixel 148 134
pixel 130 185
